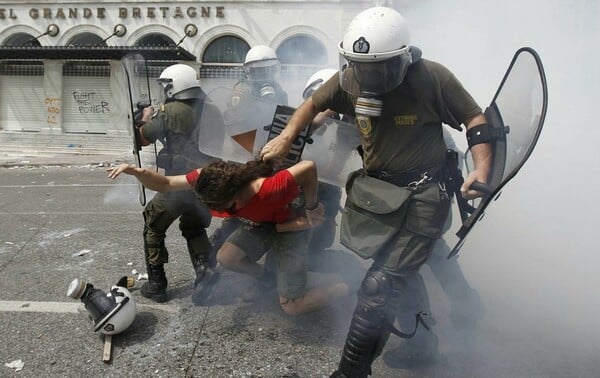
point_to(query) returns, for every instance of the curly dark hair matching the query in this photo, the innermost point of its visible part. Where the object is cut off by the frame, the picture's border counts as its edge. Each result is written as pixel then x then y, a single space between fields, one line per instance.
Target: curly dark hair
pixel 221 180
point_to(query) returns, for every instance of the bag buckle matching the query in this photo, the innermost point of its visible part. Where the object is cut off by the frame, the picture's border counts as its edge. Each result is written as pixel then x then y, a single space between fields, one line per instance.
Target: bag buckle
pixel 425 178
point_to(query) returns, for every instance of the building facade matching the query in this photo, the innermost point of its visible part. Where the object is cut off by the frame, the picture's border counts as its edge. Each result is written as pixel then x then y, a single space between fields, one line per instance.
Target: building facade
pixel 60 68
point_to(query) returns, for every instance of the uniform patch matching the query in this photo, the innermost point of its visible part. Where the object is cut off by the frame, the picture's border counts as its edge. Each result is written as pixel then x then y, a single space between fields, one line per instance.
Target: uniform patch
pixel 235 100
pixel 405 120
pixel 364 125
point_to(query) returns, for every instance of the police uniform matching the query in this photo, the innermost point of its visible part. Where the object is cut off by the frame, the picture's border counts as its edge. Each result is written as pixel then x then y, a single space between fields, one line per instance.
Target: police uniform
pixel 176 125
pixel 397 204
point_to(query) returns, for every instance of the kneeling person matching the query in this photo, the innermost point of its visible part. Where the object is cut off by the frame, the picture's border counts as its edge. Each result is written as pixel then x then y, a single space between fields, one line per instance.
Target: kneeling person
pixel 263 199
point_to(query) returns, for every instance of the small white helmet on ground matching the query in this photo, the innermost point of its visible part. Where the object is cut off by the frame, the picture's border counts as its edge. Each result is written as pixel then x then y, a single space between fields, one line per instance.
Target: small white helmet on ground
pixel 111 312
pixel 261 64
pixel 180 82
pixel 376 50
pixel 316 80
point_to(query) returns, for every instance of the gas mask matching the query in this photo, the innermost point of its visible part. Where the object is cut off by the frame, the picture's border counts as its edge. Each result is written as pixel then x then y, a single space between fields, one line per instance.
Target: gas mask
pixel 111 312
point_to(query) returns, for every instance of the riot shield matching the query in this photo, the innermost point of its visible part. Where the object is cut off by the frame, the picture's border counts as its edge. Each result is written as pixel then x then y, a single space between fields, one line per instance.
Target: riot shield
pixel 333 146
pixel 516 116
pixel 334 149
pixel 245 131
pixel 138 87
pixel 221 97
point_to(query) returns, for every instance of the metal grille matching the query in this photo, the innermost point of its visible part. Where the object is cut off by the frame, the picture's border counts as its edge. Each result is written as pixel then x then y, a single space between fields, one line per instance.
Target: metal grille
pixel 154 69
pixel 16 69
pixel 288 71
pixel 221 72
pixel 82 68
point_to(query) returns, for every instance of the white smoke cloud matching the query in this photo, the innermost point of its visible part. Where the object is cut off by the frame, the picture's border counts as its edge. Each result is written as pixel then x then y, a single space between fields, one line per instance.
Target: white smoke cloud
pixel 534 257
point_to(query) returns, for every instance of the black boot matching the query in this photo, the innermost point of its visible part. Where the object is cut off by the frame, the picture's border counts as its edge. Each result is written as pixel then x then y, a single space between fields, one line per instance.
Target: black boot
pixel 199 249
pixel 206 278
pixel 156 287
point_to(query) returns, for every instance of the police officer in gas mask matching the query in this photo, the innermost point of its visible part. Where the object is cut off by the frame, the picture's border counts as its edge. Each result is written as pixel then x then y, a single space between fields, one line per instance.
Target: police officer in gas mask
pixel 253 103
pixel 397 204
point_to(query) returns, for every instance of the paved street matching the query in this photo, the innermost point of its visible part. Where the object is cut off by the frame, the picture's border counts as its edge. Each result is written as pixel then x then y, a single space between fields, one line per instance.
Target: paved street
pixel 64 220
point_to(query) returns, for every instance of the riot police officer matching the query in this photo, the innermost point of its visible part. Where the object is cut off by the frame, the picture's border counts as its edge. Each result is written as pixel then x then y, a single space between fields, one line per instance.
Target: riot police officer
pixel 253 102
pixel 176 125
pixel 397 204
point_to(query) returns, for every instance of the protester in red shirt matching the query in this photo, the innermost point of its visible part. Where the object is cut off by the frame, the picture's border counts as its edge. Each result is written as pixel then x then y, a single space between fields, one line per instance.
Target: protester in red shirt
pixel 263 200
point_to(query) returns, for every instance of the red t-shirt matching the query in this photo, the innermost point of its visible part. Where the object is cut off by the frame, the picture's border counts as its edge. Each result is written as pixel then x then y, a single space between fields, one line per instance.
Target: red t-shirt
pixel 270 204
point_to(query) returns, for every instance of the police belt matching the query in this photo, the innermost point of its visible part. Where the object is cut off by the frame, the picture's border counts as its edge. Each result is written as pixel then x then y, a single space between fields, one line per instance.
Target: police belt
pixel 413 177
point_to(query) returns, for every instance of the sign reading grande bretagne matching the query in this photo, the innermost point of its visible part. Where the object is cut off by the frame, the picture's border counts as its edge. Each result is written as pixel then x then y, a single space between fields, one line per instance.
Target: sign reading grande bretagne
pixel 121 12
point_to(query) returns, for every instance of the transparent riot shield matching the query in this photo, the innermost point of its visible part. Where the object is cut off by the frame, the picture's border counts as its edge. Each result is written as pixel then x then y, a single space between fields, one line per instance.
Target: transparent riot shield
pixel 334 149
pixel 516 115
pixel 138 87
pixel 245 131
pixel 333 146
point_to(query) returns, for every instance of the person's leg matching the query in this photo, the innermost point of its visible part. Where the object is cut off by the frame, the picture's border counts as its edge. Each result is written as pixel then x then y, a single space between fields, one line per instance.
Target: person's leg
pixel 222 233
pixel 314 299
pixel 422 348
pixel 194 218
pixel 243 249
pixel 234 258
pixel 157 219
pixel 379 295
pixel 465 305
pixel 291 252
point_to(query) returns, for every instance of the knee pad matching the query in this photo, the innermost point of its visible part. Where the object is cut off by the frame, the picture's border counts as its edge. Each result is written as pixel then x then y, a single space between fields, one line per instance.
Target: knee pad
pixel 376 287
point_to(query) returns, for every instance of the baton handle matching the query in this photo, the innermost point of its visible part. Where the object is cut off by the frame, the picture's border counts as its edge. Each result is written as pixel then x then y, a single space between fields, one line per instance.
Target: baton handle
pixel 481 187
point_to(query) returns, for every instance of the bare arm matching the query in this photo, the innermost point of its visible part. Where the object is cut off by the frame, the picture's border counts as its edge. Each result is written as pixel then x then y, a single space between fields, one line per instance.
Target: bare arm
pixel 305 174
pixel 482 158
pixel 281 144
pixel 321 118
pixel 150 179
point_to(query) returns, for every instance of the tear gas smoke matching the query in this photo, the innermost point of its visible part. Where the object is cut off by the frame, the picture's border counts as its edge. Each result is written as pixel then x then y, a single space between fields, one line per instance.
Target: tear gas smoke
pixel 532 258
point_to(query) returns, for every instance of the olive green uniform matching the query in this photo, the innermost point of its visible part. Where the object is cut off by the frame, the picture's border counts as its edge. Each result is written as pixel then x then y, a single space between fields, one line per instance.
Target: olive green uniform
pixel 397 205
pixel 406 137
pixel 176 124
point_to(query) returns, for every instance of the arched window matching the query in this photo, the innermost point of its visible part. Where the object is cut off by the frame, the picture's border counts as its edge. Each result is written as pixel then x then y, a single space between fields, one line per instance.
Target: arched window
pixel 222 61
pixel 228 49
pixel 86 39
pixel 21 39
pixel 303 50
pixel 155 40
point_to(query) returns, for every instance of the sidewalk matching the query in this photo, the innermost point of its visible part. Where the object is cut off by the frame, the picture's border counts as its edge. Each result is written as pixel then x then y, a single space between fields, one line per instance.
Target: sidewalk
pixel 34 149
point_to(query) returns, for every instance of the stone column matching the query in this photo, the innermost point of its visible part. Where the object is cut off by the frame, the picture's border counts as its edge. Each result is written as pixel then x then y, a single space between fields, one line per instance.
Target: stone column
pixel 53 89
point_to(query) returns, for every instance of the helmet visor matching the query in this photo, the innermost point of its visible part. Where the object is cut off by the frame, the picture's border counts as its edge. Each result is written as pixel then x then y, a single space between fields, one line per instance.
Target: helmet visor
pixel 262 73
pixel 164 90
pixel 373 78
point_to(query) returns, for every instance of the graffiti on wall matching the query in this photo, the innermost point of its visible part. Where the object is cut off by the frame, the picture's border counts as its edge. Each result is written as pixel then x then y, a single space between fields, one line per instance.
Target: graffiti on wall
pixel 53 109
pixel 88 102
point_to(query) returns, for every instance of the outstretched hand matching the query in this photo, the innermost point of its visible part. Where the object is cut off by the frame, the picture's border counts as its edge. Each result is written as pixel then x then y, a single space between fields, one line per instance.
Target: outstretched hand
pixel 129 169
